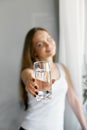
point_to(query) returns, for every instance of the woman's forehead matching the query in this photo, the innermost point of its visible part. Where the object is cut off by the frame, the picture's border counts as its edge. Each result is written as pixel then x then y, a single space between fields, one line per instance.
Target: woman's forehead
pixel 40 35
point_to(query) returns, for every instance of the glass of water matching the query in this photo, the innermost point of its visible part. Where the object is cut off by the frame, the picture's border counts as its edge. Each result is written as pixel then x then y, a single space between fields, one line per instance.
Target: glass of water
pixel 42 71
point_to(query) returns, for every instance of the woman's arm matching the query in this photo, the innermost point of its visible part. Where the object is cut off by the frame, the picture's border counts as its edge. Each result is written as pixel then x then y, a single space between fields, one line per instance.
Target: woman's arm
pixel 26 74
pixel 75 102
pixel 28 79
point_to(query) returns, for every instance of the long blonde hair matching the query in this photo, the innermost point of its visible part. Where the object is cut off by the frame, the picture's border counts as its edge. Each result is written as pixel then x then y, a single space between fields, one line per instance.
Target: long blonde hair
pixel 28 58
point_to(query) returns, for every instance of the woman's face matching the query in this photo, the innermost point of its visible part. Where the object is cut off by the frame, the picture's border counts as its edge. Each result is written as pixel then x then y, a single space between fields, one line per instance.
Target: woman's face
pixel 44 45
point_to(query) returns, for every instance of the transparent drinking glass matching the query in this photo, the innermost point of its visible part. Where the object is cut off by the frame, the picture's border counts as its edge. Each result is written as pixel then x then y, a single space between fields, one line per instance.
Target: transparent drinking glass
pixel 42 71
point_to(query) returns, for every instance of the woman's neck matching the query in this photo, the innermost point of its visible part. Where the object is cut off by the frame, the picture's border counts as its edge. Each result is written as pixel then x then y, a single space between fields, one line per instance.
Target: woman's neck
pixel 48 59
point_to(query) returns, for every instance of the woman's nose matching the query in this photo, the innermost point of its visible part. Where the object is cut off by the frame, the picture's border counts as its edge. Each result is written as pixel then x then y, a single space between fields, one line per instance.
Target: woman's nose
pixel 47 43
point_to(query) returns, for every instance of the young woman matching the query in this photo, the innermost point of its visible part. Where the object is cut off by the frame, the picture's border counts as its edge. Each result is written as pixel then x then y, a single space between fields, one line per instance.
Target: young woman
pixel 40 46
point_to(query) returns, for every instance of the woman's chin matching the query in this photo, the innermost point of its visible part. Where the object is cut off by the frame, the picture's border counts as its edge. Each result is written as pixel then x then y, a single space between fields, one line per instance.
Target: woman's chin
pixel 51 54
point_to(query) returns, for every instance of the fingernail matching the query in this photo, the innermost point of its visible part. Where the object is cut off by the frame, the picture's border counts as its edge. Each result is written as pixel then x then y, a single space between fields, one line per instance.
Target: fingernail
pixel 33 80
pixel 35 87
pixel 36 93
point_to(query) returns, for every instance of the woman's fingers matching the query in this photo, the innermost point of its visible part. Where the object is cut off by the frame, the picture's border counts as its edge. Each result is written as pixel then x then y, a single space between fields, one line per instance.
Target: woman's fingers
pixel 32 87
pixel 32 92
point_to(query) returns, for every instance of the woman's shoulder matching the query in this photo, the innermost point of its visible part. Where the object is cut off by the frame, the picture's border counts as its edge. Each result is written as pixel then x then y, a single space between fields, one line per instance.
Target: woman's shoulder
pixel 61 64
pixel 64 67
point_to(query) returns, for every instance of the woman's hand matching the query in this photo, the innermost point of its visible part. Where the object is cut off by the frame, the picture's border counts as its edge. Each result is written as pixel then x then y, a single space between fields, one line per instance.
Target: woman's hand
pixel 33 87
pixel 30 82
pixel 84 129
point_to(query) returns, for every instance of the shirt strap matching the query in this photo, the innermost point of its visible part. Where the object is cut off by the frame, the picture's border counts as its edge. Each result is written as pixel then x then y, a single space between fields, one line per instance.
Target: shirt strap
pixel 61 69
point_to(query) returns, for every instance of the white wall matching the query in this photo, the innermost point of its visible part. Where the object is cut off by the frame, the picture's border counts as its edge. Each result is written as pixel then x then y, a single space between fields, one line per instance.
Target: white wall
pixel 16 18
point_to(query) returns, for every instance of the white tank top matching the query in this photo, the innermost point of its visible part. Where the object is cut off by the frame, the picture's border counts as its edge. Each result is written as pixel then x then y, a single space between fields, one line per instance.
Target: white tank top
pixel 50 115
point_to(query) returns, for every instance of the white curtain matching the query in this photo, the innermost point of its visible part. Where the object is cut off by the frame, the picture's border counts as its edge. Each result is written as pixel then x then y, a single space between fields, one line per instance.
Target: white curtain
pixel 85 50
pixel 71 48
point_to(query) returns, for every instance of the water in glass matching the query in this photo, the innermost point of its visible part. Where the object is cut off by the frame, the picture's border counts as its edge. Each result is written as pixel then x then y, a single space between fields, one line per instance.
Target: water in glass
pixel 42 71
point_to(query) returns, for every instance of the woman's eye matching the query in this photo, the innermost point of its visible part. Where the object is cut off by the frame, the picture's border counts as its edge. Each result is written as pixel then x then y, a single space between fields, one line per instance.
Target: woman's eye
pixel 40 44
